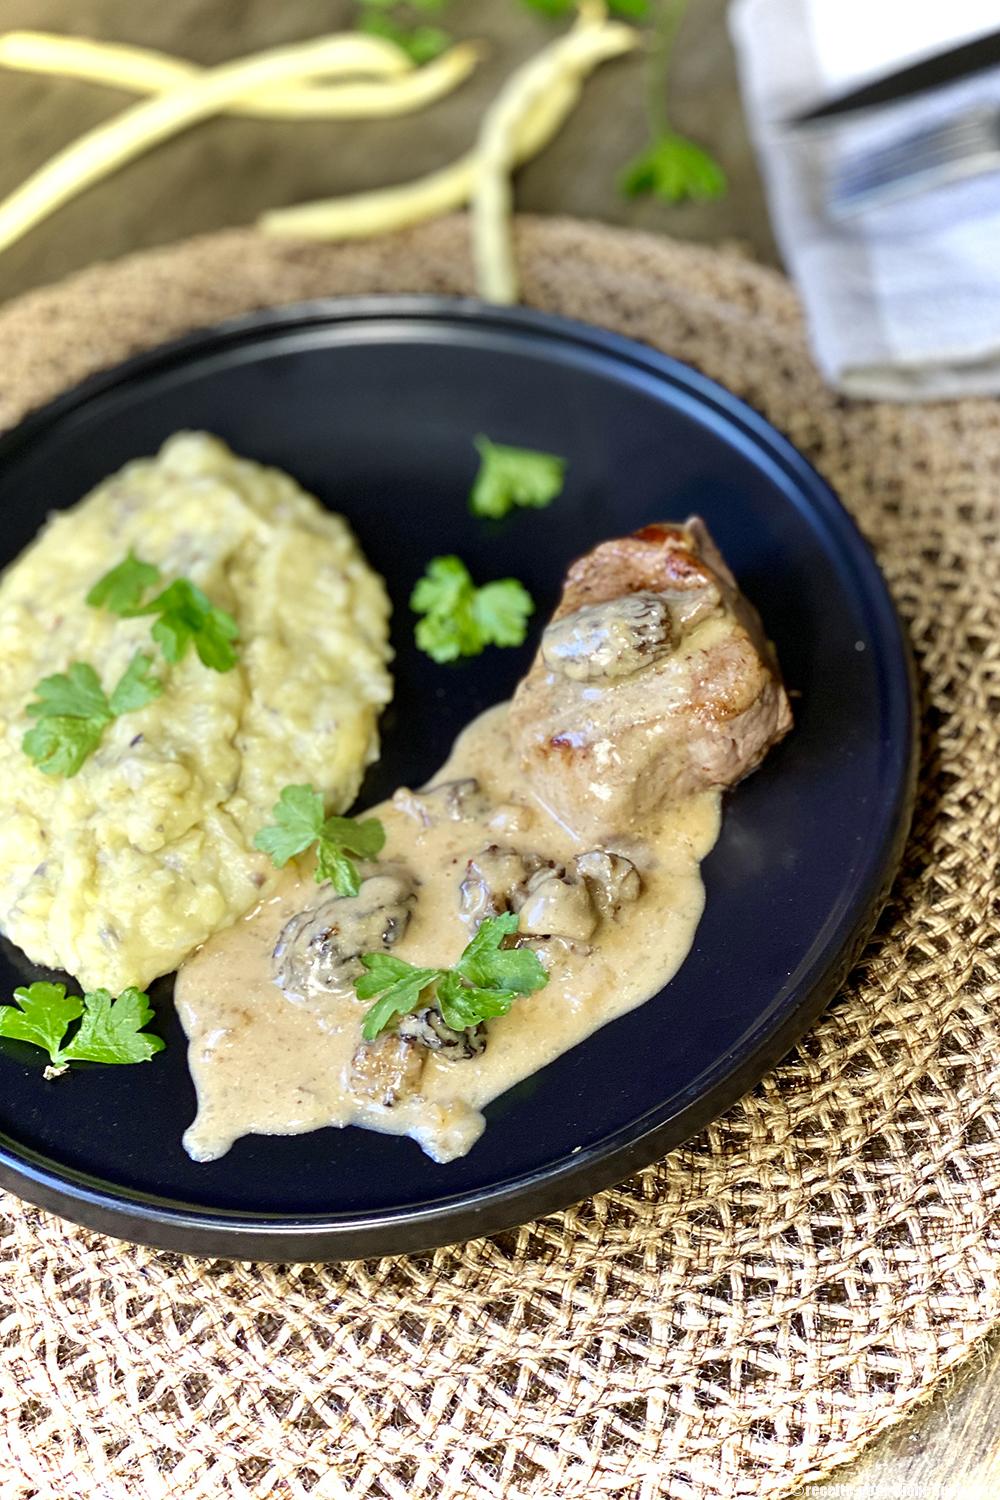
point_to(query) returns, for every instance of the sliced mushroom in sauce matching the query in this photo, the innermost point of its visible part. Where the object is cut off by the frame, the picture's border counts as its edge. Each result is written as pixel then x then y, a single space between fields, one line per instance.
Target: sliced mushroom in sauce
pixel 449 801
pixel 613 879
pixel 611 639
pixel 493 880
pixel 551 900
pixel 319 948
pixel 387 1070
pixel 557 904
pixel 429 1028
pixel 553 950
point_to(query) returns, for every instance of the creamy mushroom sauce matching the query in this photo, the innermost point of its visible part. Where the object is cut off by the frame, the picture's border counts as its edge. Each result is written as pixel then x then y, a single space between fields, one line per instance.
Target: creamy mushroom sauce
pixel 276 1062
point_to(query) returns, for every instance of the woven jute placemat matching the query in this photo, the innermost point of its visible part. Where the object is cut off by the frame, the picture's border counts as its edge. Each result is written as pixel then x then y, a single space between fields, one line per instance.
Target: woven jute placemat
pixel 749 1312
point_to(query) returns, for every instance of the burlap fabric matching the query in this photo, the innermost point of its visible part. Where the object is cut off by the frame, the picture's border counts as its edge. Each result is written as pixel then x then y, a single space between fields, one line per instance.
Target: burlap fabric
pixel 747 1313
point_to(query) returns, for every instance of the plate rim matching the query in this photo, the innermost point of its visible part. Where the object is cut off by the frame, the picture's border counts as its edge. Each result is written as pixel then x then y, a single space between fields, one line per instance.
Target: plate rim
pixel 141 1218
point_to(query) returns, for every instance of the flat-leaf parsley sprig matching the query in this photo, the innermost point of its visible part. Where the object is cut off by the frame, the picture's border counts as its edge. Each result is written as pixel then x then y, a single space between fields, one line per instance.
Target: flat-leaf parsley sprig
pixel 73 711
pixel 184 614
pixel 635 10
pixel 123 587
pixel 461 619
pixel 72 708
pixel 485 982
pixel 514 476
pixel 300 822
pixel 674 168
pixel 403 24
pixel 671 167
pixel 110 1031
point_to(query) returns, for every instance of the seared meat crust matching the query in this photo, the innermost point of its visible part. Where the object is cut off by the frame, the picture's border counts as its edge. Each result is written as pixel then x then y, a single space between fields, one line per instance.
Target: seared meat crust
pixel 629 705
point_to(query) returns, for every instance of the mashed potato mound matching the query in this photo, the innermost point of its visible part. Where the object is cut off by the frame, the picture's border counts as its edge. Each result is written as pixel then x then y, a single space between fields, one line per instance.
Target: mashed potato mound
pixel 119 872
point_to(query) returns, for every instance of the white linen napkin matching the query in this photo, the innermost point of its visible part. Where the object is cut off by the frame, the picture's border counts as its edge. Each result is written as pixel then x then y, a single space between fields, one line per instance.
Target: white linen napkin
pixel 903 302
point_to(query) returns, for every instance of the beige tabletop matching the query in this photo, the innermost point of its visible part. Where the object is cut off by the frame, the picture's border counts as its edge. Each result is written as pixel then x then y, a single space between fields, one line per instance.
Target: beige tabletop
pixel 230 170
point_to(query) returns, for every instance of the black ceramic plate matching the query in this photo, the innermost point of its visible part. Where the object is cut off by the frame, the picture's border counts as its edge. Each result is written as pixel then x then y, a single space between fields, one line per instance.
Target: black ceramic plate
pixel 372 405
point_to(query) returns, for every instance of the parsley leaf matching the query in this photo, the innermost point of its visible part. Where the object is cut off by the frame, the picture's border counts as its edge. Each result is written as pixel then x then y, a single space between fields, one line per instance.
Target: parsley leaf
pixel 502 611
pixel 73 712
pixel 76 693
pixel 444 586
pixel 45 1013
pixel 340 837
pixel 382 971
pixel 401 984
pixel 486 962
pixel 464 1005
pixel 59 747
pixel 674 168
pixel 460 620
pixel 136 687
pixel 110 1031
pixel 186 615
pixel 637 10
pixel 485 982
pixel 72 708
pixel 514 476
pixel 122 588
pixel 420 43
pixel 299 823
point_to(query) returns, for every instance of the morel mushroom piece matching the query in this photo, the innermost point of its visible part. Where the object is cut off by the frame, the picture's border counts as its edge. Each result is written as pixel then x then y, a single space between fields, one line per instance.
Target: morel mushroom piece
pixel 612 639
pixel 386 1070
pixel 494 878
pixel 449 802
pixel 428 1027
pixel 557 904
pixel 389 1069
pixel 613 879
pixel 552 950
pixel 319 949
